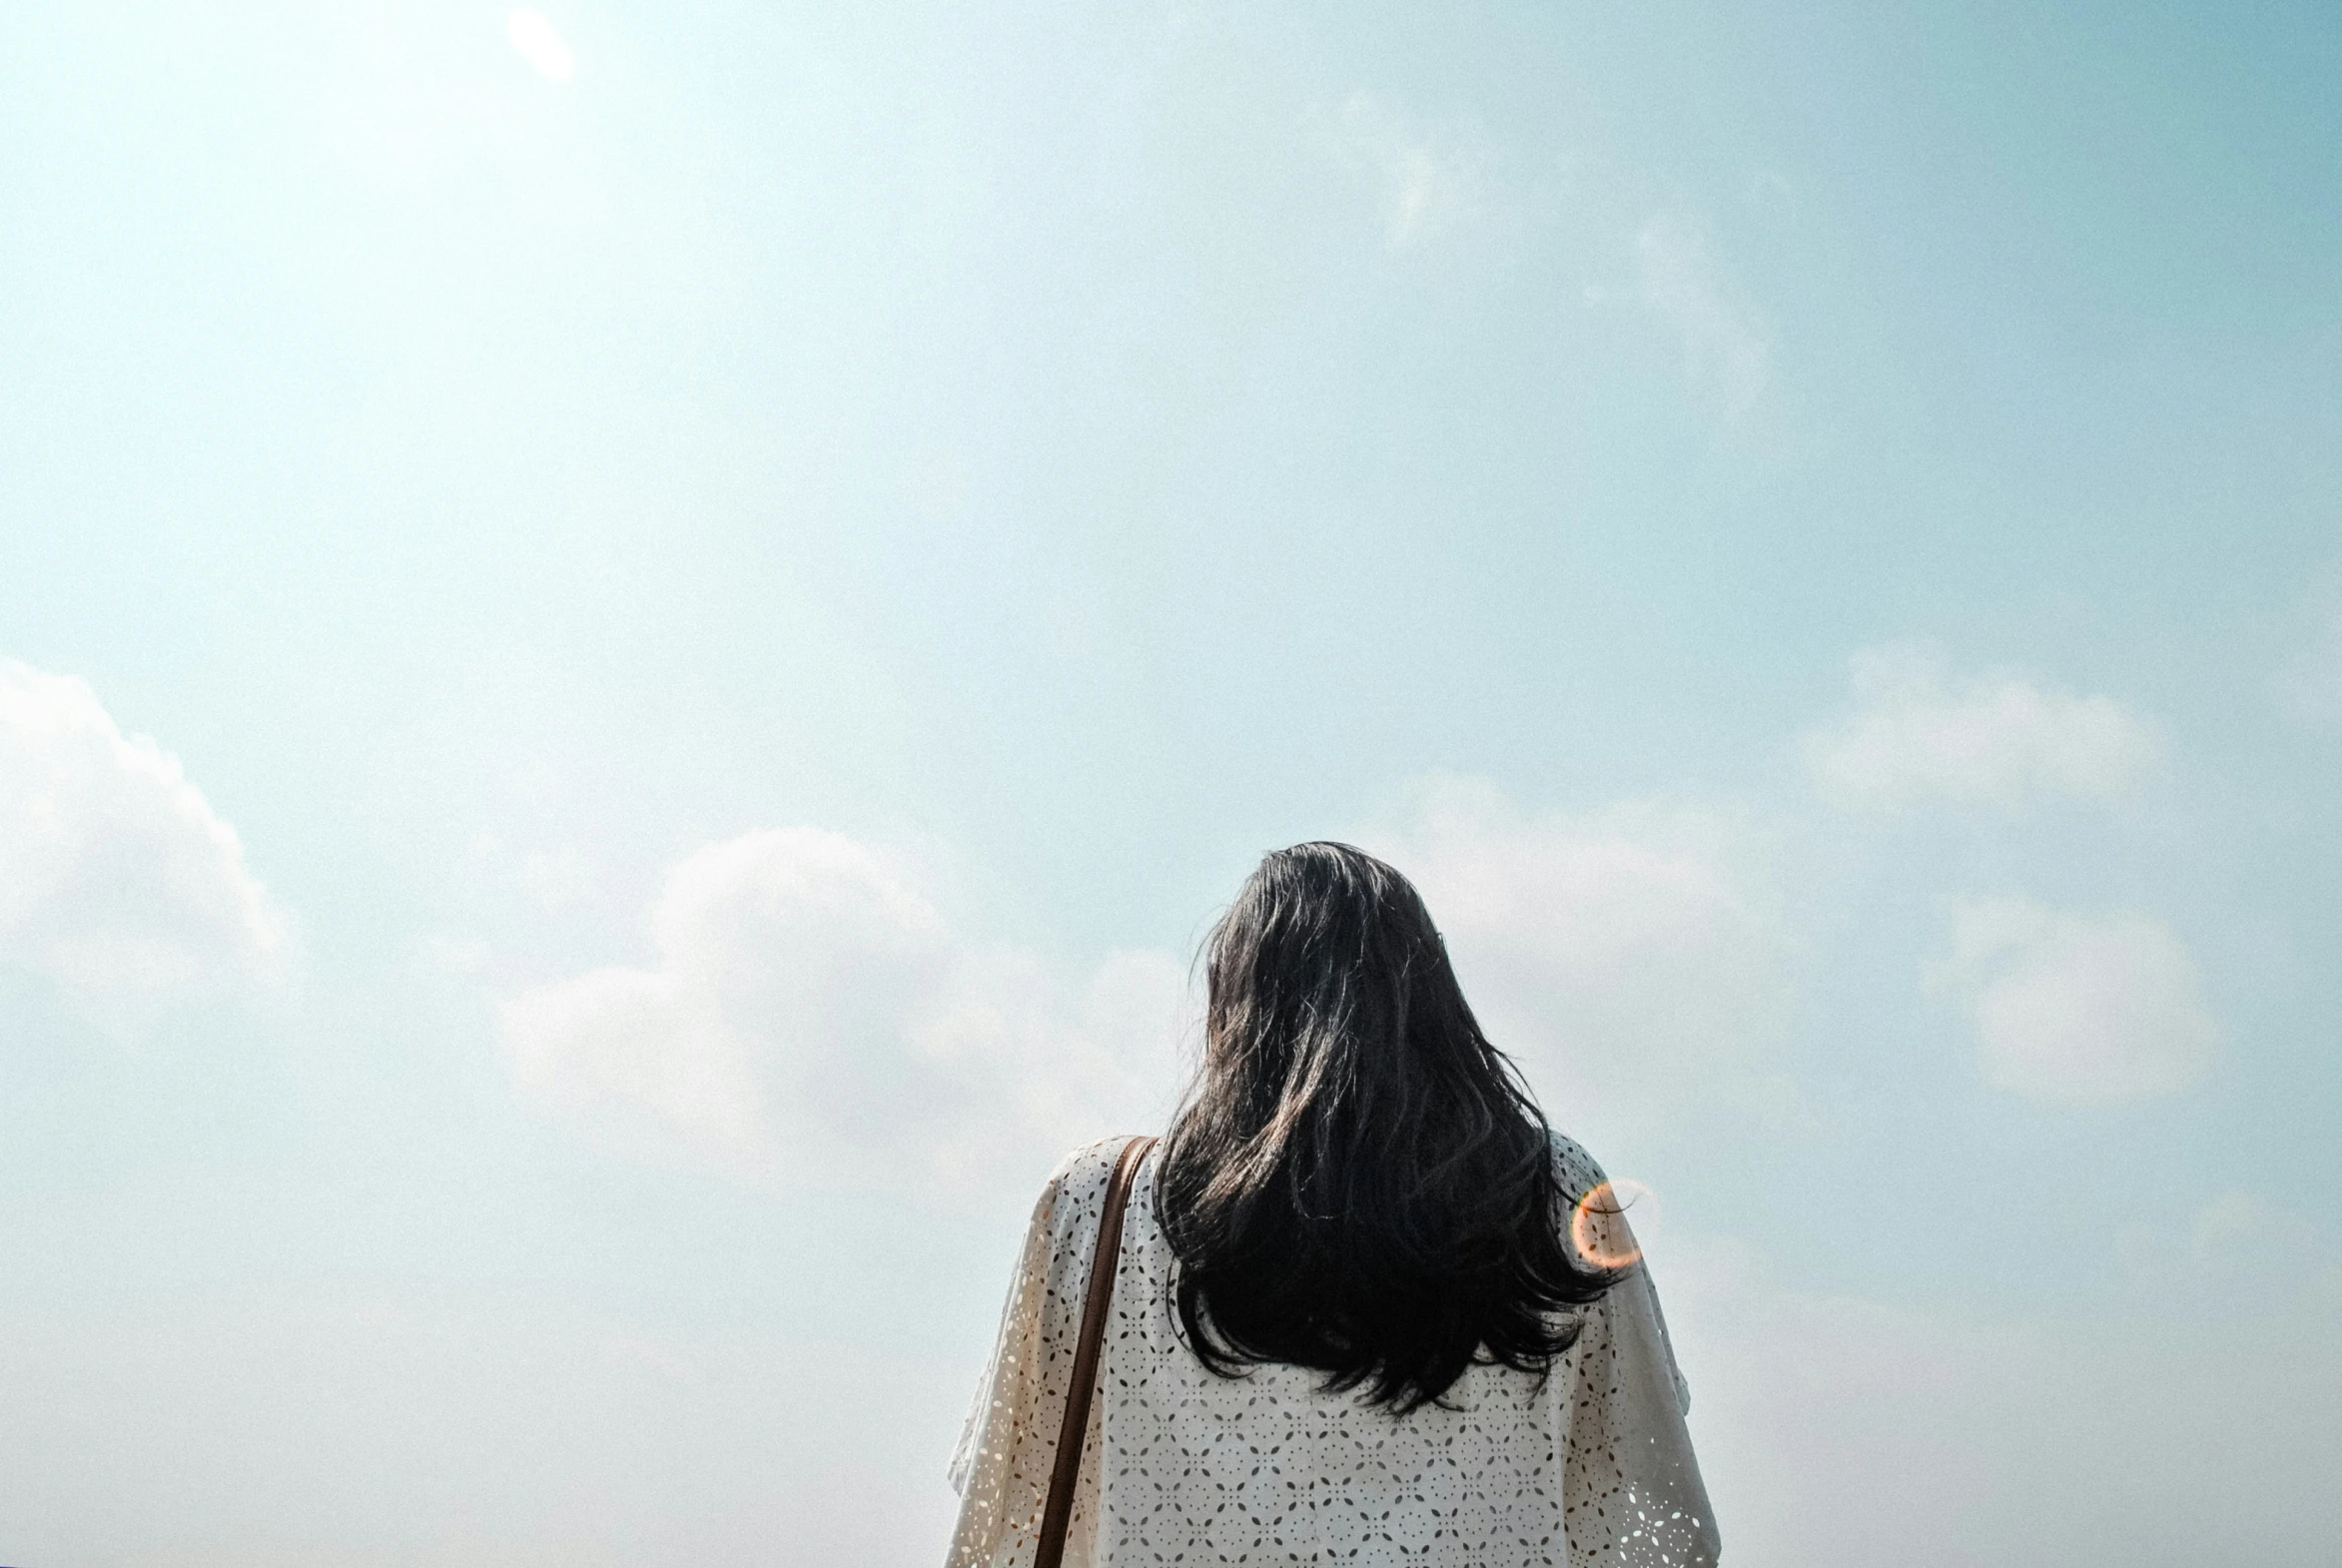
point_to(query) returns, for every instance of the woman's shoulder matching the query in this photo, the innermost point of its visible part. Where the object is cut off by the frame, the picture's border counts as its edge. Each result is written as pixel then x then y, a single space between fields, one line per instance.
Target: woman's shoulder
pixel 1078 1184
pixel 1578 1172
pixel 1091 1161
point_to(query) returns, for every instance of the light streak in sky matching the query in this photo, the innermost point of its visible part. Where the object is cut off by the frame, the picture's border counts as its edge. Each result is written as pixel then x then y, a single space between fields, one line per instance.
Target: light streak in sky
pixel 537 42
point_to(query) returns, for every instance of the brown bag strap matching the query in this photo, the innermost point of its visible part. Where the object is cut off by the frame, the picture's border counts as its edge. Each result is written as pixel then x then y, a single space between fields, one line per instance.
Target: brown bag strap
pixel 1059 1512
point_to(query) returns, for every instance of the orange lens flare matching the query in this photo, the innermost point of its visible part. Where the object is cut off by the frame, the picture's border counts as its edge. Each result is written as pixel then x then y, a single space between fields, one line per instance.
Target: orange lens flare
pixel 1598 1227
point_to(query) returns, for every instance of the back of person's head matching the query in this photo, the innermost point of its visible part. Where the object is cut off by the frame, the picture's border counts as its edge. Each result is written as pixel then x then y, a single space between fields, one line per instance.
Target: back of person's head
pixel 1359 1182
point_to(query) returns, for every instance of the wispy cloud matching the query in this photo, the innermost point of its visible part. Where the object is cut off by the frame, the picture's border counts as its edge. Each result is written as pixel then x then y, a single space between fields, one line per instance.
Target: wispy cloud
pixel 2234 1228
pixel 2078 1009
pixel 1430 178
pixel 1727 348
pixel 118 881
pixel 1424 179
pixel 1916 734
pixel 2310 687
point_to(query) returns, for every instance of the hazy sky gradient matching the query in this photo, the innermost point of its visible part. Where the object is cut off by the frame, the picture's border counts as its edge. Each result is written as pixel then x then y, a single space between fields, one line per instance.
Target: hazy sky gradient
pixel 635 641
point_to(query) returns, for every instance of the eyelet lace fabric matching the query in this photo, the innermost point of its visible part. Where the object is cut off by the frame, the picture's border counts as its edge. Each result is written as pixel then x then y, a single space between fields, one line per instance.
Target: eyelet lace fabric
pixel 1590 1467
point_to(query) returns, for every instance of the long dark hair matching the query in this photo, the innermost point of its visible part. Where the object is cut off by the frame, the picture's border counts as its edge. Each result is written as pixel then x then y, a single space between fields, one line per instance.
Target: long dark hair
pixel 1359 1182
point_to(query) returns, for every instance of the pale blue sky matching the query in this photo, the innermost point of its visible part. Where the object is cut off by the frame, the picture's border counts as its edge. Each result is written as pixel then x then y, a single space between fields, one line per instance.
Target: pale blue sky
pixel 1815 532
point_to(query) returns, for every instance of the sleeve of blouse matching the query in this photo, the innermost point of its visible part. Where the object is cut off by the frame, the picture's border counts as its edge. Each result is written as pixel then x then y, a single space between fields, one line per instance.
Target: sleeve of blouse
pixel 1631 1489
pixel 1632 1492
pixel 1008 1442
pixel 993 1413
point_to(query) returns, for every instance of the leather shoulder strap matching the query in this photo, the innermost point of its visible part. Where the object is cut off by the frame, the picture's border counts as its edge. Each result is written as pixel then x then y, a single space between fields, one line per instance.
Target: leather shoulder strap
pixel 1058 1513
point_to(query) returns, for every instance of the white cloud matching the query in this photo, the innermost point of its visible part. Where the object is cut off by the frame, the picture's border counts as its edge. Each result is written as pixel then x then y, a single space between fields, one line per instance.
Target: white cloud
pixel 118 881
pixel 810 1019
pixel 1918 735
pixel 1624 956
pixel 1727 349
pixel 2078 1009
pixel 1424 179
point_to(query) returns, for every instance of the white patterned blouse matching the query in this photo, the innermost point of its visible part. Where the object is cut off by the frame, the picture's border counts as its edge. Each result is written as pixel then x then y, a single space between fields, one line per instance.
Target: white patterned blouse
pixel 1590 1467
